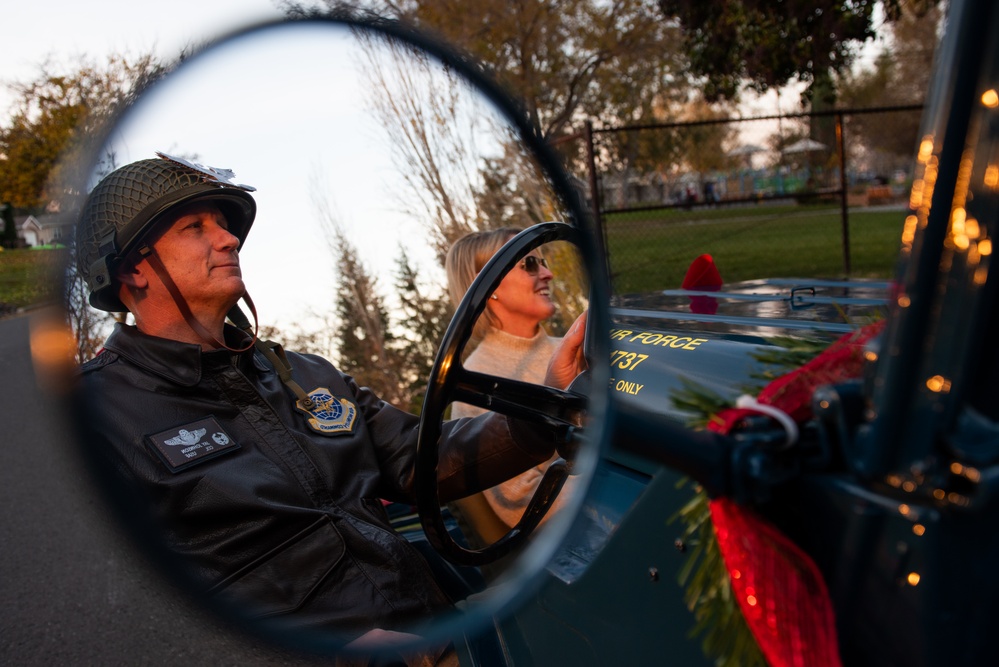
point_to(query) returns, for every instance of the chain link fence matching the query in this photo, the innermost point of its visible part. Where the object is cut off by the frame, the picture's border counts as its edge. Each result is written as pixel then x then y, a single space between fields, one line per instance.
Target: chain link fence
pixel 805 195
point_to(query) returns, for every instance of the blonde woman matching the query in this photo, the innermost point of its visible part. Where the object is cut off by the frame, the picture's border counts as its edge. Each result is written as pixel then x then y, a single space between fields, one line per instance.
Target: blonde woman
pixel 510 342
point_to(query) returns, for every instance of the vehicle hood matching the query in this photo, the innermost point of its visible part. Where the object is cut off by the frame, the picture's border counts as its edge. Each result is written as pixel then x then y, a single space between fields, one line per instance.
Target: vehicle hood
pixel 729 341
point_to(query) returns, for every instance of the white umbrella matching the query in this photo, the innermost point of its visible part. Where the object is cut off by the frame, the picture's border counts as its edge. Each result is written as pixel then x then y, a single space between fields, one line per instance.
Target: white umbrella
pixel 805 146
pixel 747 150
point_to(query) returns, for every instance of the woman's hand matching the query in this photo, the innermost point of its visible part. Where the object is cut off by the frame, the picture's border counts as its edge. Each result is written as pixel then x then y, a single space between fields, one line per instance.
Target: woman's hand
pixel 568 361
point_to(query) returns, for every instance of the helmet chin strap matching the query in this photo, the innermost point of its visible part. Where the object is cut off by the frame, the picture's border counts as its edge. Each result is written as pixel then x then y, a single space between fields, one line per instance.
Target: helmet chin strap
pixel 273 351
pixel 178 298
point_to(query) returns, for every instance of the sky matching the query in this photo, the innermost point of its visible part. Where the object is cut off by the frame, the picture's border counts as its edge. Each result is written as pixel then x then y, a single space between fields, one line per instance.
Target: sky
pixel 68 28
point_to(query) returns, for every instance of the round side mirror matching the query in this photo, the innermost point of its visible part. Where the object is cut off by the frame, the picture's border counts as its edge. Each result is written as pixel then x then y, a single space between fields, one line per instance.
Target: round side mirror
pixel 367 146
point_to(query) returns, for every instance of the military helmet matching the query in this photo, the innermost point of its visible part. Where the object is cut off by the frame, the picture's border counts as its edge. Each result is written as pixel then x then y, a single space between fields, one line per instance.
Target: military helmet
pixel 126 205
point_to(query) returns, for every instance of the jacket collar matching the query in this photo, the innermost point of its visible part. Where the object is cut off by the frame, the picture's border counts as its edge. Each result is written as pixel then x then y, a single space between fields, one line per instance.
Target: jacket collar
pixel 180 363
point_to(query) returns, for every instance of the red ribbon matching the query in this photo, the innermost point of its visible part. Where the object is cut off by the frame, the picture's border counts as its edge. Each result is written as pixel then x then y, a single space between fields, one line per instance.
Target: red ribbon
pixel 779 588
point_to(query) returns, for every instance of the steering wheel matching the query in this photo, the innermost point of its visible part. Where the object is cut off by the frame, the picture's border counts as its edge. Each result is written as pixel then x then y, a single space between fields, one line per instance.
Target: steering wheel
pixel 450 381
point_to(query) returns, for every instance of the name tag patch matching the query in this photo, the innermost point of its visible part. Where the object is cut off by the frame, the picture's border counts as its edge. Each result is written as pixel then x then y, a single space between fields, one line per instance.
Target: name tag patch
pixel 184 446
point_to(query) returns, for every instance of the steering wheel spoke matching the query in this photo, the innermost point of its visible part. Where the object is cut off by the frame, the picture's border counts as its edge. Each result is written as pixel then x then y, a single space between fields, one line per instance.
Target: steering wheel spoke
pixel 534 403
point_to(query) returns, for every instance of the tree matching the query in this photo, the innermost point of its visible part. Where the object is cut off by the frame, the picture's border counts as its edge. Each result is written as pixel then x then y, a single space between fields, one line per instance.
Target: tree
pixel 914 35
pixel 766 44
pixel 56 120
pixel 364 336
pixel 33 142
pixel 704 143
pixel 565 60
pixel 90 327
pixel 424 316
pixel 317 338
pixel 900 76
pixel 429 125
pixel 360 330
pixel 512 192
pixel 463 170
pixel 9 228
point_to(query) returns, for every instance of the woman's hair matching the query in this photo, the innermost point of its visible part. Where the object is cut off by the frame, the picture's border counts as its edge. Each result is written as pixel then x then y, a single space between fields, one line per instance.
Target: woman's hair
pixel 464 261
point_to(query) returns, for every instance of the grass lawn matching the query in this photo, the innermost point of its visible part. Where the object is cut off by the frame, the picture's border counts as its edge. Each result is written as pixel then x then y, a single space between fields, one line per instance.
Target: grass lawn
pixel 652 250
pixel 27 276
pixel 648 250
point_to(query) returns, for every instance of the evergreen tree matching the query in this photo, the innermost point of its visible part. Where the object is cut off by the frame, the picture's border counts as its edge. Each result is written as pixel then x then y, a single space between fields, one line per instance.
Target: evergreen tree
pixel 9 229
pixel 364 338
pixel 424 316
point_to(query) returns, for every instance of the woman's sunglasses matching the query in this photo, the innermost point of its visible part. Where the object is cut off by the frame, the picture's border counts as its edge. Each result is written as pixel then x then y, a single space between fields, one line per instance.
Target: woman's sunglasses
pixel 532 264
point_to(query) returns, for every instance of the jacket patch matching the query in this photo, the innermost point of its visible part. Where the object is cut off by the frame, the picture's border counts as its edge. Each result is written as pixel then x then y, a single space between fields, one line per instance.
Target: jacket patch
pixel 184 446
pixel 328 414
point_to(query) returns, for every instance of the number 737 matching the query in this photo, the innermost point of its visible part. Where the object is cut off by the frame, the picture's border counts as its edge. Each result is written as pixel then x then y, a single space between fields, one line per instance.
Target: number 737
pixel 626 360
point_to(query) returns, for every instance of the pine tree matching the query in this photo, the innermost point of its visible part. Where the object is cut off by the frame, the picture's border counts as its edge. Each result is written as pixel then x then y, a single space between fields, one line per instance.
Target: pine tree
pixel 9 230
pixel 365 340
pixel 425 314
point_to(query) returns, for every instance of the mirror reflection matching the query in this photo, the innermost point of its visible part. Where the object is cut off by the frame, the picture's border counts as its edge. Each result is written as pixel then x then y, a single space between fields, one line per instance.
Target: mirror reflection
pixel 310 182
pixel 511 339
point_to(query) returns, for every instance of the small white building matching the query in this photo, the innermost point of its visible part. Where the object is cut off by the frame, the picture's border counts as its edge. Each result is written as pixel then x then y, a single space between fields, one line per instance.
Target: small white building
pixel 46 229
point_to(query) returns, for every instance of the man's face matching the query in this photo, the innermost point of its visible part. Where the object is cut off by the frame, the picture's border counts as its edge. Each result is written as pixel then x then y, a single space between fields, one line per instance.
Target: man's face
pixel 200 255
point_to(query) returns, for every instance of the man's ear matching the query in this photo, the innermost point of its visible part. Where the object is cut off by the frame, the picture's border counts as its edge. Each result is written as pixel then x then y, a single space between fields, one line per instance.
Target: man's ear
pixel 133 275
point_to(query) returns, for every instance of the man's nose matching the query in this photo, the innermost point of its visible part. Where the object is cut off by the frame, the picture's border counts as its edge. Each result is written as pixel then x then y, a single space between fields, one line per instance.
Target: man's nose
pixel 225 240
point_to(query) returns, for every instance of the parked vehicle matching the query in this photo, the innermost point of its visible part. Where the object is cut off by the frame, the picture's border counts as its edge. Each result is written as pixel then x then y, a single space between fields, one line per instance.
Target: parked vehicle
pixel 889 490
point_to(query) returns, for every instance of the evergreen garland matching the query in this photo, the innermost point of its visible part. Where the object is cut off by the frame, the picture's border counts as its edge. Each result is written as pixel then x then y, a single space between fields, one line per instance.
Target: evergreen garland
pixel 725 637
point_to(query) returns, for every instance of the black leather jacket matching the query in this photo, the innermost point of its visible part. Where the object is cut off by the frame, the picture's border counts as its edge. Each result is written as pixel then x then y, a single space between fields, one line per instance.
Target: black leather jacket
pixel 272 514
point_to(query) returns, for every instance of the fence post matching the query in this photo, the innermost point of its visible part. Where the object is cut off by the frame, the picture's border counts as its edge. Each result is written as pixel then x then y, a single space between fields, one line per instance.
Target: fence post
pixel 591 165
pixel 840 147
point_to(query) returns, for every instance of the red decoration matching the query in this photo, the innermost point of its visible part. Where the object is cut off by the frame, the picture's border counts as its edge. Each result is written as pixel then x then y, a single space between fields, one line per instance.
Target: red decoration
pixel 792 393
pixel 703 275
pixel 778 587
pixel 779 590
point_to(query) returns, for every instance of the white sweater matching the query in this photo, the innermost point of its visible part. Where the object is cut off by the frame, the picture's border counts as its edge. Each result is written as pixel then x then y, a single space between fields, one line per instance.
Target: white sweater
pixel 517 358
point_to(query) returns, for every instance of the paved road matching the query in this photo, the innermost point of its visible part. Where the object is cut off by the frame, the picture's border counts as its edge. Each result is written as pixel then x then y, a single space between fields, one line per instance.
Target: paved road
pixel 71 592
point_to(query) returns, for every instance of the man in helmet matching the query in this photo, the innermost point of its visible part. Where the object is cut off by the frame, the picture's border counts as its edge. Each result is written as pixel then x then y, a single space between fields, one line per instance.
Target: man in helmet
pixel 265 471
